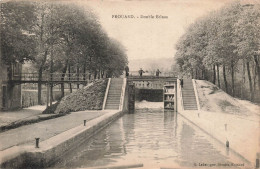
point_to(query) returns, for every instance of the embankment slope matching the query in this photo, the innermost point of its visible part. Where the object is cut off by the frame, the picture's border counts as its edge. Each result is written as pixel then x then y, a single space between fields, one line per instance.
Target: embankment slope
pixel 89 98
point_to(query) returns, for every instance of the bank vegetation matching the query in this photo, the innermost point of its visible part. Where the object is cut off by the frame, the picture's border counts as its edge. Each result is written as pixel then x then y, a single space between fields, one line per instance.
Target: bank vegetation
pixel 223 47
pixel 58 37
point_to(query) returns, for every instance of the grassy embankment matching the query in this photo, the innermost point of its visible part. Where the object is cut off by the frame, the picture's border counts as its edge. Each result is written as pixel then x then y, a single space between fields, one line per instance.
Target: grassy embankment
pixel 213 99
pixel 89 98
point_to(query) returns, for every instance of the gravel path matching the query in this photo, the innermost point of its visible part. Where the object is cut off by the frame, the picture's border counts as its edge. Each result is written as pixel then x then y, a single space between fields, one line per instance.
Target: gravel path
pixel 45 129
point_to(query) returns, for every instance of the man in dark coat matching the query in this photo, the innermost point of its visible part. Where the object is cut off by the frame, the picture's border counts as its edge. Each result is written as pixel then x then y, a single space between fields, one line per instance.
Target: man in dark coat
pixel 126 71
pixel 141 72
pixel 181 82
pixel 158 73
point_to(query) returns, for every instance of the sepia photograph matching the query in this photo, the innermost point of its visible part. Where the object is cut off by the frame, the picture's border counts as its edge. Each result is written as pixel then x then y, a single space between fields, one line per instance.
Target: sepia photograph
pixel 119 84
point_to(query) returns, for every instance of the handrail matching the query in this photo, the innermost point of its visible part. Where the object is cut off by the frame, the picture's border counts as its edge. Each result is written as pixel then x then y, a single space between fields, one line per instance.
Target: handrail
pixel 196 93
pixel 105 98
pixel 122 95
pixel 54 76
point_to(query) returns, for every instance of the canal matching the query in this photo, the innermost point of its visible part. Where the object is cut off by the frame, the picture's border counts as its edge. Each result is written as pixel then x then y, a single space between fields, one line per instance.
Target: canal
pixel 155 138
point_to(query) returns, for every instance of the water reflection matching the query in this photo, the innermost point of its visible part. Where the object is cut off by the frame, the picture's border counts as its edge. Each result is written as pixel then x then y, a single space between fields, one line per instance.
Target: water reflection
pixel 153 137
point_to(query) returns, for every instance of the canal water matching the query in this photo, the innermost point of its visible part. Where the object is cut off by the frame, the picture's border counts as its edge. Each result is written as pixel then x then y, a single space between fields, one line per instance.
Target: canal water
pixel 154 138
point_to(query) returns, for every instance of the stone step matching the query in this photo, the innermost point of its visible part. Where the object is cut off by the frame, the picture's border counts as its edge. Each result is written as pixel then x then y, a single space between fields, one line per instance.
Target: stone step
pixel 195 103
pixel 190 103
pixel 190 109
pixel 188 95
pixel 112 108
pixel 115 85
pixel 112 105
pixel 115 90
pixel 189 99
pixel 112 97
pixel 114 93
pixel 113 101
pixel 190 106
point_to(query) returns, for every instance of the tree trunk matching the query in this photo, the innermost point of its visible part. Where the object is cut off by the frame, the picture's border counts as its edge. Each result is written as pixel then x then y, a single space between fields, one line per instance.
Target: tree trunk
pixel 250 81
pixel 254 72
pixel 51 78
pixel 84 74
pixel 62 78
pixel 78 76
pixel 206 74
pixel 40 86
pixel 203 73
pixel 95 74
pixel 69 69
pixel 192 73
pixel 243 79
pixel 102 74
pixel 214 74
pixel 99 73
pixel 256 59
pixel 218 75
pixel 196 73
pixel 225 79
pixel 232 80
pixel 51 93
pixel 40 77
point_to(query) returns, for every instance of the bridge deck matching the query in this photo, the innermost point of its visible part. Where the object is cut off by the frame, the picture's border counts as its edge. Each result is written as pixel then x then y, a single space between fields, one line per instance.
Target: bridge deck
pixel 151 78
pixel 78 78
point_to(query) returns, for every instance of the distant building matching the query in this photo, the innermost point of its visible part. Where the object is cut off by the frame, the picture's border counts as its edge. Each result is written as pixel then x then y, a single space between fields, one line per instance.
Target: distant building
pixel 10 93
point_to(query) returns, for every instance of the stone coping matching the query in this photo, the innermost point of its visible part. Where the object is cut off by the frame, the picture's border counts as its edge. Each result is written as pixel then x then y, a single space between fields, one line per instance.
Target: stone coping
pixel 51 149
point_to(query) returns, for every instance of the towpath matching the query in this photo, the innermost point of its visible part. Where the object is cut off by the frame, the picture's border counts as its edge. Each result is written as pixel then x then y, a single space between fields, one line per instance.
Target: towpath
pixel 45 129
pixel 242 132
pixel 12 116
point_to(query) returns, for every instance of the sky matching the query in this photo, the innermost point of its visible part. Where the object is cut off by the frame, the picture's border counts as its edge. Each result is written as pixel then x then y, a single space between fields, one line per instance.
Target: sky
pixel 151 38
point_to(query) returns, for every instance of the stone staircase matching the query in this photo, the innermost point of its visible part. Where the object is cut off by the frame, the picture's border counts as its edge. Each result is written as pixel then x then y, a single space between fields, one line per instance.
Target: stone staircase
pixel 114 94
pixel 188 95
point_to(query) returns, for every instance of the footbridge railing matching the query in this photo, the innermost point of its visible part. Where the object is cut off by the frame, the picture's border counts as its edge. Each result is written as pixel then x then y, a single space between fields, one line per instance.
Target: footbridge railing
pixel 51 77
pixel 152 78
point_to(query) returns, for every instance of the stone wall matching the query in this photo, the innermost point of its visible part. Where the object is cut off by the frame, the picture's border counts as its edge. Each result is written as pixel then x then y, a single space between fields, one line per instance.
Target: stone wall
pixel 131 98
pixel 13 92
pixel 3 81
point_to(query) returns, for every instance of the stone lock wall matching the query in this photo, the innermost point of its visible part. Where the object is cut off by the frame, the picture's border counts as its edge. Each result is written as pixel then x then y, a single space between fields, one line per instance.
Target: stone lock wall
pixel 131 98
